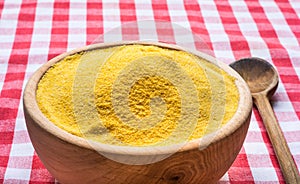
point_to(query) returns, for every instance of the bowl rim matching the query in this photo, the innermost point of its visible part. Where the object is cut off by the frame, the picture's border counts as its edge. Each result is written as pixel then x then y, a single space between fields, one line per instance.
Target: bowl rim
pixel 240 117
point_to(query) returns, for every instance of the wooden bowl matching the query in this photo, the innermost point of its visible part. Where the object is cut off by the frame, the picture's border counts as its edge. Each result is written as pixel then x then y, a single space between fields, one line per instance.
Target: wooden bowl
pixel 71 159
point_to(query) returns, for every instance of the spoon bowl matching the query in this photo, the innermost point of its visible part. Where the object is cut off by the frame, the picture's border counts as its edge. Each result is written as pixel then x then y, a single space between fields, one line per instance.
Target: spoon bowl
pixel 260 75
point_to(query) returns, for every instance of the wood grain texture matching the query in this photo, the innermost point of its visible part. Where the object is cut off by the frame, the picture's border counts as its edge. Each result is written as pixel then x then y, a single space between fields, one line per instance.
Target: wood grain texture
pixel 70 159
pixel 262 79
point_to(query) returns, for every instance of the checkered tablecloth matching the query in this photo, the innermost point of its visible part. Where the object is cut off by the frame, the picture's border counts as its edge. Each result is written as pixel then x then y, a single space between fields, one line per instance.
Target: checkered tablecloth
pixel 32 32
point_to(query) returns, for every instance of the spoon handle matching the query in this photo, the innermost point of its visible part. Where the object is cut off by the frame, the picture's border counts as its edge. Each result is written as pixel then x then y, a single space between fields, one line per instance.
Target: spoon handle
pixel 282 151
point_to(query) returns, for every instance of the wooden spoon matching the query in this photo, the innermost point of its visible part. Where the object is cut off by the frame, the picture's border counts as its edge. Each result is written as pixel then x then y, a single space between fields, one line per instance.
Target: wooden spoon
pixel 262 80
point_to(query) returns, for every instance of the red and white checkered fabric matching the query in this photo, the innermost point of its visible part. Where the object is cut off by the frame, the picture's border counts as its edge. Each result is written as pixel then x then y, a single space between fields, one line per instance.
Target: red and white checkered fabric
pixel 33 32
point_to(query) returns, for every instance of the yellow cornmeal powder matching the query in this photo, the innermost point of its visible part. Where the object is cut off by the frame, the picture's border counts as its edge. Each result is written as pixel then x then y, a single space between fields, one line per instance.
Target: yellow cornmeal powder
pixel 136 100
